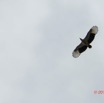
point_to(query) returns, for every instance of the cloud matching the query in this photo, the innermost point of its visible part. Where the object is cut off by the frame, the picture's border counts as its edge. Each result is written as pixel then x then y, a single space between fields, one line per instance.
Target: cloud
pixel 36 43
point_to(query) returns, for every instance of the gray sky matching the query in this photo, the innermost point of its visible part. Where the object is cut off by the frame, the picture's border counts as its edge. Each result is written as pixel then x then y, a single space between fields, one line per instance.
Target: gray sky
pixel 37 38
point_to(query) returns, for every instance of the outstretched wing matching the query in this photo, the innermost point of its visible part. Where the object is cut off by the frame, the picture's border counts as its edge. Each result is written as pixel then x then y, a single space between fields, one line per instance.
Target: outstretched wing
pixel 79 49
pixel 91 34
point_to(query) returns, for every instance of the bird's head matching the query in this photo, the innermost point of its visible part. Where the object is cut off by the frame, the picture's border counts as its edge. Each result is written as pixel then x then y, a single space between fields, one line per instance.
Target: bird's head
pixel 81 39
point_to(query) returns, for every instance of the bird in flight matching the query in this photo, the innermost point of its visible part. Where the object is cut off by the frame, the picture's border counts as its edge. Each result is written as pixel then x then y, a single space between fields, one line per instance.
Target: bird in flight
pixel 85 42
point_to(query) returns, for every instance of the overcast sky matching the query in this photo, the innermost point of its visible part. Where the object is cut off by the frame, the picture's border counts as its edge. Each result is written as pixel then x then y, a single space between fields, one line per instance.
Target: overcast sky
pixel 37 38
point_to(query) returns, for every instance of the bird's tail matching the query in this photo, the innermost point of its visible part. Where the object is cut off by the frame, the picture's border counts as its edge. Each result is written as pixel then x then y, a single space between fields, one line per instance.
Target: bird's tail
pixel 90 46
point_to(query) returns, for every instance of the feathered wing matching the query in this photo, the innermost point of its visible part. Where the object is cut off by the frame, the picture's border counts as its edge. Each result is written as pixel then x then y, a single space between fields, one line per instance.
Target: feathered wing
pixel 91 34
pixel 79 49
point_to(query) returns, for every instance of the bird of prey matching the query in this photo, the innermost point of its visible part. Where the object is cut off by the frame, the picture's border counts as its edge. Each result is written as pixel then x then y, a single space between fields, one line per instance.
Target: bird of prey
pixel 85 42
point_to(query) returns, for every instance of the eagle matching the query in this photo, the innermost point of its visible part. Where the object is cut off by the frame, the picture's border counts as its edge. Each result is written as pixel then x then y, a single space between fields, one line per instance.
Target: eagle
pixel 85 43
